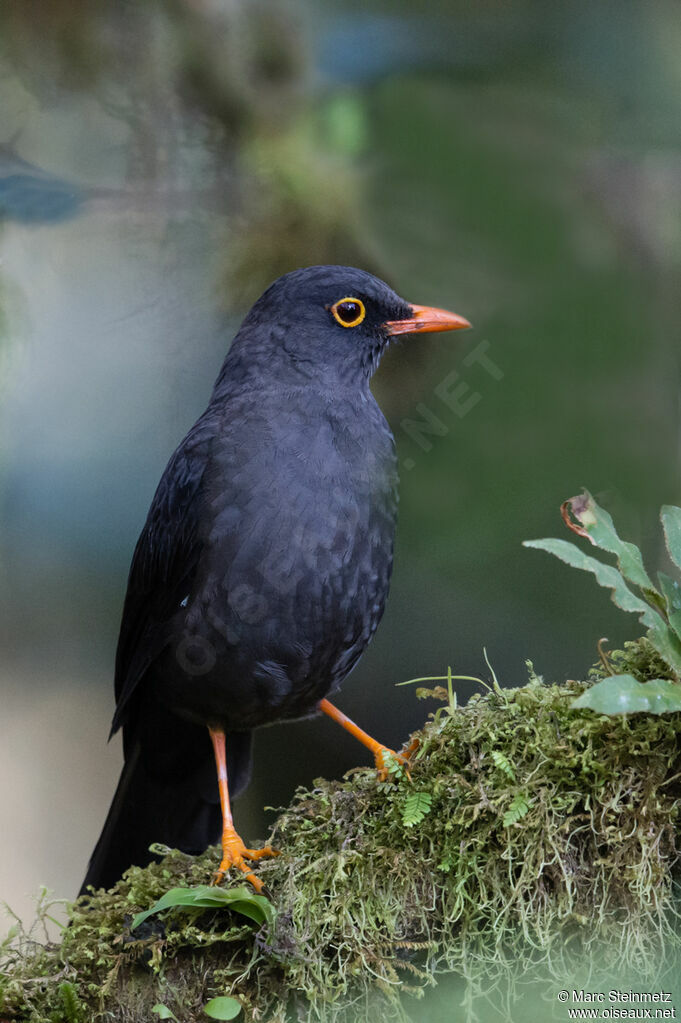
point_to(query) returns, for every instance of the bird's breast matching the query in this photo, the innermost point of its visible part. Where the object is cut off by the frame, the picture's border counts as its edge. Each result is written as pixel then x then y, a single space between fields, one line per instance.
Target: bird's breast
pixel 295 567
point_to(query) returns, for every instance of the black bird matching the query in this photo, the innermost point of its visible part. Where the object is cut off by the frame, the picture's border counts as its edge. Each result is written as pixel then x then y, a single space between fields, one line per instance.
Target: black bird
pixel 263 567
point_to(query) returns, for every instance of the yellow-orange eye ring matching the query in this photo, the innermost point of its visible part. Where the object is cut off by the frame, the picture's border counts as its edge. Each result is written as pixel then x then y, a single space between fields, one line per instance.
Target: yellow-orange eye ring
pixel 349 311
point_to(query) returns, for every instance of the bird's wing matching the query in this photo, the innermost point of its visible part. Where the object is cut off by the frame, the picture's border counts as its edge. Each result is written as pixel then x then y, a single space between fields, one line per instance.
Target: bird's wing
pixel 163 564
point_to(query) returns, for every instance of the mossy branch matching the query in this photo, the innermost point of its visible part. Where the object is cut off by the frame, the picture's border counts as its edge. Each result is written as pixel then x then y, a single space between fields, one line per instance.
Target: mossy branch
pixel 531 836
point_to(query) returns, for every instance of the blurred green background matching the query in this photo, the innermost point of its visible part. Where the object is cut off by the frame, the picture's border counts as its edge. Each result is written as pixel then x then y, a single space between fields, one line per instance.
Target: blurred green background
pixel 160 164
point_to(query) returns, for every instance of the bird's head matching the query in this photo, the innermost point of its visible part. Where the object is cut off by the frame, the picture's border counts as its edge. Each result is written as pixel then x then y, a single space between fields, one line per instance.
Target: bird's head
pixel 333 320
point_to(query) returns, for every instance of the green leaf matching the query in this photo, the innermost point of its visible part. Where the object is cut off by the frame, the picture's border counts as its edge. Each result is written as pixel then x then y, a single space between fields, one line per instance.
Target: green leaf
pixel 242 900
pixel 671 523
pixel 599 525
pixel 520 805
pixel 163 1011
pixel 671 591
pixel 415 808
pixel 623 694
pixel 393 766
pixel 503 763
pixel 606 575
pixel 667 644
pixel 222 1008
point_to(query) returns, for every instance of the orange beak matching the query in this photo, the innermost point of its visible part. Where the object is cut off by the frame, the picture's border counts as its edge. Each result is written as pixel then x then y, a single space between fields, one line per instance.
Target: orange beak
pixel 426 320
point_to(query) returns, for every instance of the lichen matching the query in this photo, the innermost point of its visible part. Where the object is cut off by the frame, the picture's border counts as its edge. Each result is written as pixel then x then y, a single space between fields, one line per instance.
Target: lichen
pixel 548 843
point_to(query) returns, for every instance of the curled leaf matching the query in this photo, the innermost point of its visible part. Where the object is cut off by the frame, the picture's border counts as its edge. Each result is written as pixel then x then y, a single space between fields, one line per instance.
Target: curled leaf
pixel 565 510
pixel 597 525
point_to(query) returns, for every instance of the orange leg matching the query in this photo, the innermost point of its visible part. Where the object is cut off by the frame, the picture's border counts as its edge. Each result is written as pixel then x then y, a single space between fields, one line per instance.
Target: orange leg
pixel 379 751
pixel 234 852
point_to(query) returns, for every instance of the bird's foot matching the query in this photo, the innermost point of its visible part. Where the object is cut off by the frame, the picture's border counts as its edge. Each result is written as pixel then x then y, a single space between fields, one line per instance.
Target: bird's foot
pixel 235 854
pixel 385 758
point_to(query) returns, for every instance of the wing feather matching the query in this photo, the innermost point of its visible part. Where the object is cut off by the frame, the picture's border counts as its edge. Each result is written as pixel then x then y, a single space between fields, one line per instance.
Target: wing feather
pixel 164 562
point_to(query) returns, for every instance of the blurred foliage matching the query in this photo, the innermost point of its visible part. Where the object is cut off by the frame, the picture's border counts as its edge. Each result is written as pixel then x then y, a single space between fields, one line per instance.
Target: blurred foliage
pixel 582 331
pixel 302 201
pixel 14 318
pixel 235 62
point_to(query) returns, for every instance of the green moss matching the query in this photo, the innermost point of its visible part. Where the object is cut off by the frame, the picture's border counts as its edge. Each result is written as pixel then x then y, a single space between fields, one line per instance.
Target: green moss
pixel 547 841
pixel 639 658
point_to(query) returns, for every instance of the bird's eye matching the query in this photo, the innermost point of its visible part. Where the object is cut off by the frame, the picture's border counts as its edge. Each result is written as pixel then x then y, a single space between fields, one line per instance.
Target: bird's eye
pixel 349 312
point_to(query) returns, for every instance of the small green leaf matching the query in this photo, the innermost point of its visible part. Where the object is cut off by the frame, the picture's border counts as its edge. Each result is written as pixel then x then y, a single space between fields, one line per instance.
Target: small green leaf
pixel 242 900
pixel 667 644
pixel 223 1007
pixel 671 524
pixel 503 763
pixel 392 764
pixel 10 936
pixel 520 805
pixel 606 575
pixel 623 694
pixel 671 592
pixel 415 808
pixel 163 1011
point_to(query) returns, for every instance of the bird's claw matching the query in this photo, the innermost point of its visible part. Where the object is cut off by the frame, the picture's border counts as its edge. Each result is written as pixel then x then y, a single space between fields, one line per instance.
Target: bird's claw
pixel 384 755
pixel 235 854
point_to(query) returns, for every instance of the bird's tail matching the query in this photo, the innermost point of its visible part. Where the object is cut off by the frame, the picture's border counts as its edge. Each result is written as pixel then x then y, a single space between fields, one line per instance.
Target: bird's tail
pixel 167 793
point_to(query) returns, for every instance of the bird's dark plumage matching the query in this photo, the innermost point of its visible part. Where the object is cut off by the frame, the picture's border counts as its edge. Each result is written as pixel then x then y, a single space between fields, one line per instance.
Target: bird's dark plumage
pixel 263 567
